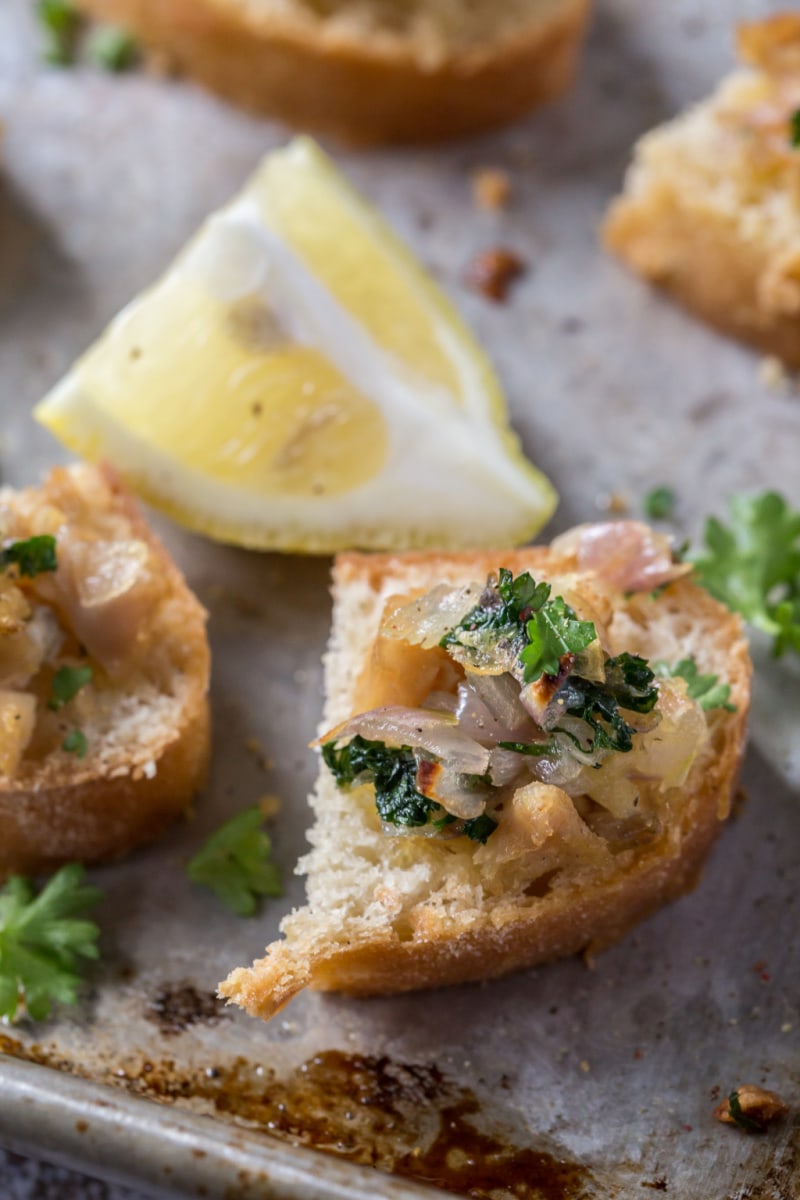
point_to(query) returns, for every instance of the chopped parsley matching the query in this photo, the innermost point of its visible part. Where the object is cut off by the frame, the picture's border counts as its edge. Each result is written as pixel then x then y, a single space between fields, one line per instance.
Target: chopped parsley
pixel 659 503
pixel 235 863
pixel 67 682
pixel 552 631
pixel 33 556
pixel 75 743
pixel 705 689
pixel 521 610
pixel 392 770
pixel 794 128
pixel 629 684
pixel 43 938
pixel 753 565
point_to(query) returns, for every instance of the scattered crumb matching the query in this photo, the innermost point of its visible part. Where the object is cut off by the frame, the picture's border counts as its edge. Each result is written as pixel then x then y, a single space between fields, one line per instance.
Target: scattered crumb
pixel 751 1108
pixel 773 374
pixel 614 503
pixel 492 272
pixel 253 746
pixel 177 1006
pixel 491 188
pixel 270 806
pixel 787 1027
pixel 584 1066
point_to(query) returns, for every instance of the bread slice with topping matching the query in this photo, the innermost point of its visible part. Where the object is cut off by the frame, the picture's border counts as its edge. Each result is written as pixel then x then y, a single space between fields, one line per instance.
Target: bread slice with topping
pixel 711 206
pixel 525 752
pixel 368 70
pixel 104 665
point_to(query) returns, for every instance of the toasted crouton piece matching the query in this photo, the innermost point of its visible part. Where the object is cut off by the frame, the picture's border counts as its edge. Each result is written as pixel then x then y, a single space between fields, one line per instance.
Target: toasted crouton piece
pixel 103 652
pixel 374 71
pixel 711 206
pixel 568 867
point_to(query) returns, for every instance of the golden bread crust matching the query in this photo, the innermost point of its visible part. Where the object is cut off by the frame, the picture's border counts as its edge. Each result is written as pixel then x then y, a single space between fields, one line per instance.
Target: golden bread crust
pixel 53 813
pixel 318 82
pixel 435 946
pixel 710 208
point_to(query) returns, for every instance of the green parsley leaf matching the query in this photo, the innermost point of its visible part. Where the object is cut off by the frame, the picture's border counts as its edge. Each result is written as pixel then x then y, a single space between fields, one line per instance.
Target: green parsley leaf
pixel 794 128
pixel 32 557
pixel 705 689
pixel 392 771
pixel 659 503
pixel 552 632
pixel 67 682
pixel 75 743
pixel 753 565
pixel 62 23
pixel 42 941
pixel 113 48
pixel 235 863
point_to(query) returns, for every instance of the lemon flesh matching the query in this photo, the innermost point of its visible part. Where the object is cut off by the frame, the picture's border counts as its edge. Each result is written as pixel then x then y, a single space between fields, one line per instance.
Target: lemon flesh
pixel 295 381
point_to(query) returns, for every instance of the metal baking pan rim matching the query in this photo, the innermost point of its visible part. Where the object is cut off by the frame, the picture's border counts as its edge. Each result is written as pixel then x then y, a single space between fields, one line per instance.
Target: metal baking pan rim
pixel 137 1142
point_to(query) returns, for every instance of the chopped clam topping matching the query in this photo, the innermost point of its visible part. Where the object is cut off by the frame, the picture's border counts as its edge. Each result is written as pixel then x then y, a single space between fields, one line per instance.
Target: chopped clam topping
pixel 17 721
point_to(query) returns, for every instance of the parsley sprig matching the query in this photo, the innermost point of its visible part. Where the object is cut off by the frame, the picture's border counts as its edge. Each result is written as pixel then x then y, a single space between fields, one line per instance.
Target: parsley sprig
pixel 520 611
pixel 705 689
pixel 235 863
pixel 753 565
pixel 44 941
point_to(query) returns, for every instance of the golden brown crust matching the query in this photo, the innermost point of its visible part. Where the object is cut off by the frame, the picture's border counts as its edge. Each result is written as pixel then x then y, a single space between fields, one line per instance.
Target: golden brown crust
pixel 321 83
pixel 95 812
pixel 709 212
pixel 434 949
pixel 706 266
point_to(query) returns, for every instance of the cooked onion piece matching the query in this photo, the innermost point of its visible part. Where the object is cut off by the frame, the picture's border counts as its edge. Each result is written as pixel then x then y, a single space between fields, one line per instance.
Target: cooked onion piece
pixel 17 721
pixel 627 554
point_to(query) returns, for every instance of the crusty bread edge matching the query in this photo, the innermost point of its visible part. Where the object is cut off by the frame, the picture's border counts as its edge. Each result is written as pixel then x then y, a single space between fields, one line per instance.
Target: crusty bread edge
pixel 704 264
pixel 320 83
pixel 91 818
pixel 604 911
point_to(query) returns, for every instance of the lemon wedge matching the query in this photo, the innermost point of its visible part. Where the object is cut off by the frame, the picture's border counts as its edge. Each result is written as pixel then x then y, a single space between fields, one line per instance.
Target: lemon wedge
pixel 295 381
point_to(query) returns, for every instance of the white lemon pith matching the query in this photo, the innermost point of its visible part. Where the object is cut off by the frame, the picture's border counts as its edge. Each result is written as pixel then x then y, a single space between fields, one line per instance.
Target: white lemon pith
pixel 295 381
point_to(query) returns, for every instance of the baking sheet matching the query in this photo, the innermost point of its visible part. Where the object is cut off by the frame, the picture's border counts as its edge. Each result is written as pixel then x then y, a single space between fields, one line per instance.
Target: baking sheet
pixel 563 1081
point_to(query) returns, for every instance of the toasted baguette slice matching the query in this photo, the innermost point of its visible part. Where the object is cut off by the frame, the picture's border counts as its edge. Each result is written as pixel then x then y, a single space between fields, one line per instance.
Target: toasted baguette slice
pixel 88 776
pixel 388 913
pixel 380 71
pixel 711 210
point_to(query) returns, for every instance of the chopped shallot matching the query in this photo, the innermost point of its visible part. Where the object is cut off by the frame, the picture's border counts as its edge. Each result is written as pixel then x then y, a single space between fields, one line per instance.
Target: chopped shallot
pixel 437 733
pixel 627 554
pixel 425 620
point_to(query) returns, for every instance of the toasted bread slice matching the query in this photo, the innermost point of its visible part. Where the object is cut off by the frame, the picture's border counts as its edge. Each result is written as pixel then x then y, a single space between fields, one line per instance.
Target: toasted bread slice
pixel 710 207
pixel 104 665
pixel 381 71
pixel 561 873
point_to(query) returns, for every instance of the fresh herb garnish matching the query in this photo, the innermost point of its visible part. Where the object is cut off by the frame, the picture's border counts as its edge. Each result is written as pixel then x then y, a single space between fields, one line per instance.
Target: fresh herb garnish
pixel 753 565
pixel 235 863
pixel 113 48
pixel 392 770
pixel 659 503
pixel 794 128
pixel 62 23
pixel 705 689
pixel 739 1117
pixel 75 743
pixel 67 682
pixel 42 941
pixel 553 630
pixel 503 610
pixel 521 610
pixel 31 557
